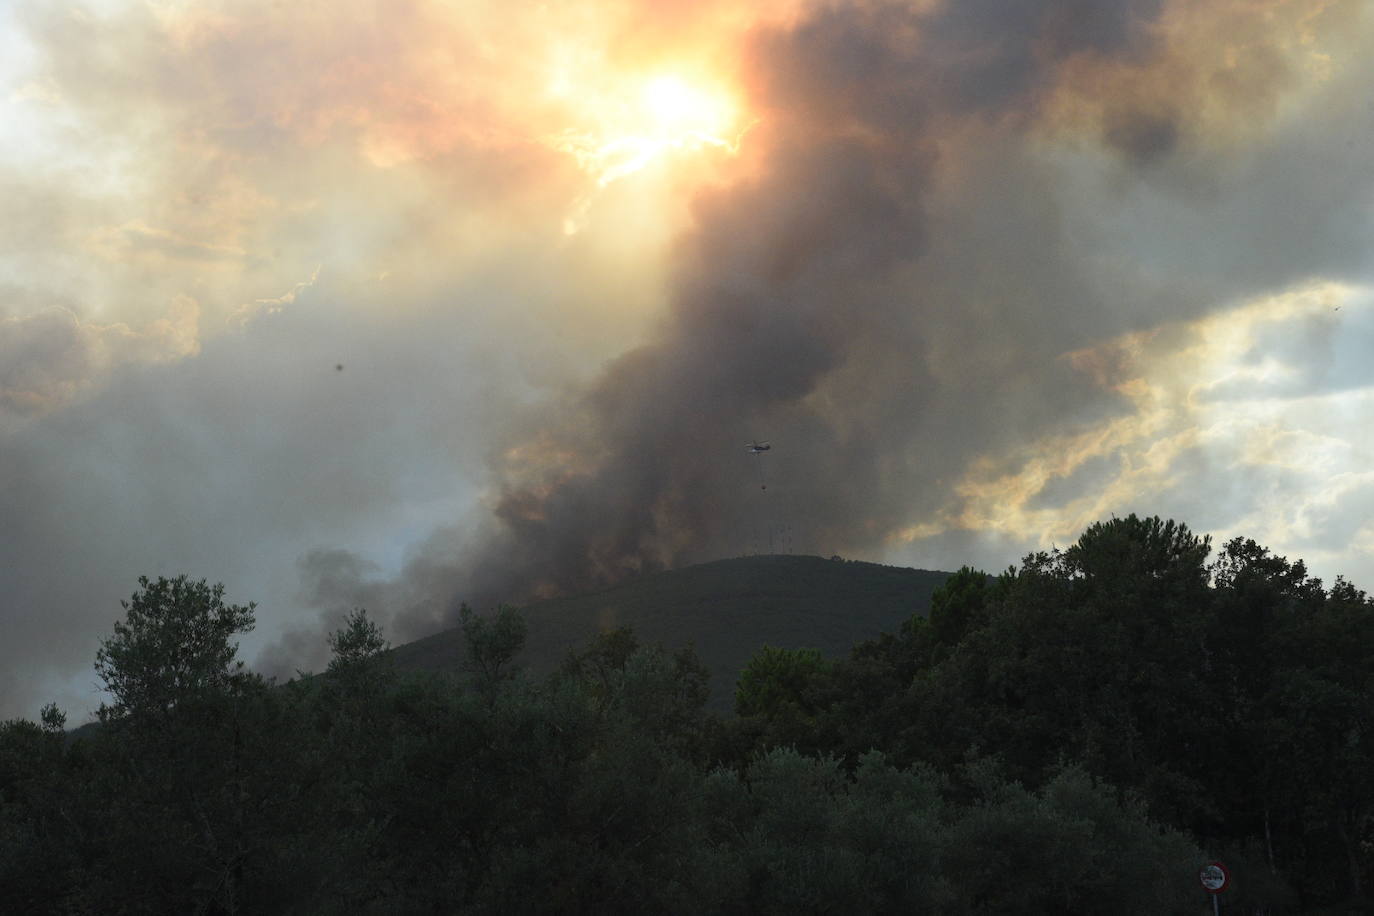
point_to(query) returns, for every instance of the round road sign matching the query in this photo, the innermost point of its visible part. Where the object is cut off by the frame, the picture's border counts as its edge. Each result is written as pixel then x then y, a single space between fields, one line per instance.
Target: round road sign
pixel 1214 877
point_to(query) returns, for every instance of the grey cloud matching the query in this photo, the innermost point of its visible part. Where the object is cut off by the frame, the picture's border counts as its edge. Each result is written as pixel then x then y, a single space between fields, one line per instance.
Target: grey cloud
pixel 991 55
pixel 229 465
pixel 48 357
pixel 1314 354
pixel 1089 477
pixel 43 358
pixel 1142 136
pixel 1334 524
pixel 1213 492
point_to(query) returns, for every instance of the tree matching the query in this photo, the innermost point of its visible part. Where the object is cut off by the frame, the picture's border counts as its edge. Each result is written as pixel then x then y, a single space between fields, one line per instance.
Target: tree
pixel 492 642
pixel 173 644
pixel 185 786
pixel 605 655
pixel 39 843
pixel 359 661
pixel 1140 549
pixel 1092 654
pixel 358 642
pixel 958 606
pixel 1315 744
pixel 778 678
pixel 54 719
pixel 1072 847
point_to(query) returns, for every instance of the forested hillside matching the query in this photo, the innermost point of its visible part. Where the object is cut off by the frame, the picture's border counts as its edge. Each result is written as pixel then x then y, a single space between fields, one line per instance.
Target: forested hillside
pixel 725 610
pixel 1076 735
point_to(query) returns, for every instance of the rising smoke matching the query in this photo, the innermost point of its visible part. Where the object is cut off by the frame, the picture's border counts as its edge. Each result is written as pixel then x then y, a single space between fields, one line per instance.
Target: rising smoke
pixel 817 303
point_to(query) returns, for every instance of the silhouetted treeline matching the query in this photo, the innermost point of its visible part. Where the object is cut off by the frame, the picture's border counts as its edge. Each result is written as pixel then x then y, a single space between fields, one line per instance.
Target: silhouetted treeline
pixel 1077 735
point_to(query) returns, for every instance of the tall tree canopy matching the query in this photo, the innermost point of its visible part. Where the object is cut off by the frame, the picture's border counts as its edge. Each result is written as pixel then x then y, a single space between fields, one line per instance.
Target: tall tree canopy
pixel 174 643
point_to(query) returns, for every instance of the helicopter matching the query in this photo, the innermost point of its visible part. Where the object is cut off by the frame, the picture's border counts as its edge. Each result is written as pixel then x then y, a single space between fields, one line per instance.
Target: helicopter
pixel 757 448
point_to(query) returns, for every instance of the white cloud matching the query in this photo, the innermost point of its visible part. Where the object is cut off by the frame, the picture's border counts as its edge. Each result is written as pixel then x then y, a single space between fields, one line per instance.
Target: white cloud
pixel 1218 433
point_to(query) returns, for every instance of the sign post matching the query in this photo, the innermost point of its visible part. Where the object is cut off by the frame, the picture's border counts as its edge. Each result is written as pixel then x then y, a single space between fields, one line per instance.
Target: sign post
pixel 1215 879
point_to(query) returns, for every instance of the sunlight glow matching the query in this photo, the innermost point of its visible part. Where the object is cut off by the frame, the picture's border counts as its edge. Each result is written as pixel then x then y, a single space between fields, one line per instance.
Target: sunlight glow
pixel 647 121
pixel 679 108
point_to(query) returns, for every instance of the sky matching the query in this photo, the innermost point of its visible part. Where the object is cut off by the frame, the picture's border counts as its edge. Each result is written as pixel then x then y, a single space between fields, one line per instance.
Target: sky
pixel 398 305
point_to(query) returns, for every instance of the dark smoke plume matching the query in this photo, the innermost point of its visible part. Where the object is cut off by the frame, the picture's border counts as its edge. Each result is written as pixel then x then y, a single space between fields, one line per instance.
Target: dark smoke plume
pixel 785 282
pixel 807 304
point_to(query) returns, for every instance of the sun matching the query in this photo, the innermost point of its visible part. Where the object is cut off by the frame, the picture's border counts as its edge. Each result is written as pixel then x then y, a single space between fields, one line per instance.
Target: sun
pixel 680 110
pixel 639 121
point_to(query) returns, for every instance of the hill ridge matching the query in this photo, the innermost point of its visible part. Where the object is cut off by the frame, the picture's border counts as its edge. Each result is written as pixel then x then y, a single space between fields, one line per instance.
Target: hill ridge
pixel 727 608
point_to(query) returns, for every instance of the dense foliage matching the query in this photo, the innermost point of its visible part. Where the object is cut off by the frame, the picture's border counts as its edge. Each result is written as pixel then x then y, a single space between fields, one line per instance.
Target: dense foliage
pixel 1076 735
